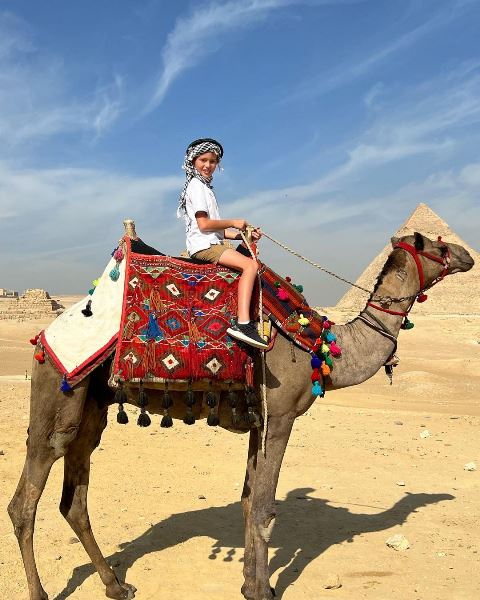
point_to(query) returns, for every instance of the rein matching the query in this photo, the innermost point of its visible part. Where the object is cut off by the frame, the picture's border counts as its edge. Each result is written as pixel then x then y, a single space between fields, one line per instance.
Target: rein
pixel 382 299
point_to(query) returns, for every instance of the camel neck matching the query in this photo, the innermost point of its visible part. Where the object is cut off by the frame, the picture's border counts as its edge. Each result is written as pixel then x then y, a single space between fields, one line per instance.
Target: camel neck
pixel 364 350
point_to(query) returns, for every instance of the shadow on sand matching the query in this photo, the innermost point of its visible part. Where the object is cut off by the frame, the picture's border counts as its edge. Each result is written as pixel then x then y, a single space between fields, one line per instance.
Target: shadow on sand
pixel 306 528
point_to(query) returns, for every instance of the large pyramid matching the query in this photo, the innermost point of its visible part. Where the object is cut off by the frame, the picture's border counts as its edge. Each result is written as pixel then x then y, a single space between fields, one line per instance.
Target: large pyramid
pixel 457 294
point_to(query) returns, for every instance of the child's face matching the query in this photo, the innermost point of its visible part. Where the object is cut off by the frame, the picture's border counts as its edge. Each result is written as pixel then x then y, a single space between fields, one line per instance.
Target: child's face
pixel 206 163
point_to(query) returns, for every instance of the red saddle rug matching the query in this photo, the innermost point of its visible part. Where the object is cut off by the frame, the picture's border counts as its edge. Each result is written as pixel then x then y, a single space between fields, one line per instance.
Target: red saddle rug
pixel 174 321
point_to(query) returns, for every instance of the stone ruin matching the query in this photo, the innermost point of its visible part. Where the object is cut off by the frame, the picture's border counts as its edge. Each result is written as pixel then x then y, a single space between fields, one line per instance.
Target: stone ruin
pixel 33 304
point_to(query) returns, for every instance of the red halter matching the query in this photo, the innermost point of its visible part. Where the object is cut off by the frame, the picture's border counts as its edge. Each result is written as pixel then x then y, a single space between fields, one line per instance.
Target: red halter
pixel 421 297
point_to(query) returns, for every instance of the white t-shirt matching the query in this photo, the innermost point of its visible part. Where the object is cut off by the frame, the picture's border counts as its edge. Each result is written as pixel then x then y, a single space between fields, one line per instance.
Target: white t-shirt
pixel 200 198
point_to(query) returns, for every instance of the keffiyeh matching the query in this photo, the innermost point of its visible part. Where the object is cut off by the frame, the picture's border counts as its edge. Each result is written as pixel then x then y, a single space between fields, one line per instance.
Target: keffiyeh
pixel 195 149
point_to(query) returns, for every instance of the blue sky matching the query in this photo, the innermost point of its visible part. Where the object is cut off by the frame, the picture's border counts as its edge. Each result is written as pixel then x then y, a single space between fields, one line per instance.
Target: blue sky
pixel 337 119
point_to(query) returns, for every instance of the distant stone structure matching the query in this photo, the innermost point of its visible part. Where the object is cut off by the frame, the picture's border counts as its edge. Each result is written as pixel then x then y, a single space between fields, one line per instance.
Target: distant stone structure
pixel 455 295
pixel 8 294
pixel 33 304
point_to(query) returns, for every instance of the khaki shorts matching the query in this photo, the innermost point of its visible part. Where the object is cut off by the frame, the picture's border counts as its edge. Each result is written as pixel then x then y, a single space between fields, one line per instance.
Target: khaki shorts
pixel 212 254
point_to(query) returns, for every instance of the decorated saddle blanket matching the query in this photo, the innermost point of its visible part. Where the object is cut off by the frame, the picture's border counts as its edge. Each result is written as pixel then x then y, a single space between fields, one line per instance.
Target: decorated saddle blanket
pixel 166 318
pixel 174 321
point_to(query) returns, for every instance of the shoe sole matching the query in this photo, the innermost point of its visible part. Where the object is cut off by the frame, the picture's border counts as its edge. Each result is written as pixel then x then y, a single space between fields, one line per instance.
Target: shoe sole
pixel 238 335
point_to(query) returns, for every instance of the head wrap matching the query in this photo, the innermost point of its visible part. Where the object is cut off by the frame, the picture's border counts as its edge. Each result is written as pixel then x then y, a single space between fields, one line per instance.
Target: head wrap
pixel 195 149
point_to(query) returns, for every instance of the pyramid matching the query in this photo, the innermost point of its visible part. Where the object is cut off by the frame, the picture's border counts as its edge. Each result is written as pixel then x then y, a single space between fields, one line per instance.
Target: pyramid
pixel 457 294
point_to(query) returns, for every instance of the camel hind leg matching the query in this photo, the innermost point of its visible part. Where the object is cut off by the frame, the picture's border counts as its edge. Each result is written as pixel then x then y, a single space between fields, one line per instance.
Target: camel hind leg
pixel 73 505
pixel 54 419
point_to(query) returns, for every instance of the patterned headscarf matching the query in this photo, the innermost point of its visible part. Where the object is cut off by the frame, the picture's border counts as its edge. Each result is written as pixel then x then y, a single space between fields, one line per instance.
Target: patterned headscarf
pixel 195 149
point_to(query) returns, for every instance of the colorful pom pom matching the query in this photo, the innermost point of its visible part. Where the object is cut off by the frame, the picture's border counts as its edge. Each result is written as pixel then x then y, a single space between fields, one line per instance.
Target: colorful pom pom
pixel 422 297
pixel 407 324
pixel 114 273
pixel 316 362
pixel 317 389
pixel 40 356
pixel 335 350
pixel 325 370
pixel 288 279
pixel 315 376
pixel 118 255
pixel 65 386
pixel 330 337
pixel 303 320
pixel 282 294
pixel 35 339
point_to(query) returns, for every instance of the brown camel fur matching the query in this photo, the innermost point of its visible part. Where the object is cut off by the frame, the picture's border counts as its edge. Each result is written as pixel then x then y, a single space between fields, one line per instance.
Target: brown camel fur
pixel 71 425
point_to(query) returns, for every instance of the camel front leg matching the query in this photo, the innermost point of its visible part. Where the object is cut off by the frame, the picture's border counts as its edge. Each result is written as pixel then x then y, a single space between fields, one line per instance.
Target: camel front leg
pixel 247 495
pixel 262 512
pixel 73 505
pixel 22 510
pixel 54 419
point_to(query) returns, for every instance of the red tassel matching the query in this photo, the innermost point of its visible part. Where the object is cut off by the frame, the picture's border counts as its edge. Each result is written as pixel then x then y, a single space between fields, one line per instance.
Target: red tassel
pixel 289 279
pixel 40 356
pixel 34 340
pixel 335 350
pixel 315 376
pixel 326 324
pixel 421 298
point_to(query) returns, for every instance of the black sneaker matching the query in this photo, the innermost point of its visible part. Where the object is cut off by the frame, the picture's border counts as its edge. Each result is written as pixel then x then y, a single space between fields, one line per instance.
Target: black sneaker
pixel 247 333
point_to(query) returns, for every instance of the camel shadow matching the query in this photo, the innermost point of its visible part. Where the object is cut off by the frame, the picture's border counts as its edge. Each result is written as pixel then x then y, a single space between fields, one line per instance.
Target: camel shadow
pixel 307 527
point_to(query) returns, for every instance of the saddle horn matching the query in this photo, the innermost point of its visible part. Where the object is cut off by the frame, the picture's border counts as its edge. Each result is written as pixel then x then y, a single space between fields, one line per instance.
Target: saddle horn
pixel 130 232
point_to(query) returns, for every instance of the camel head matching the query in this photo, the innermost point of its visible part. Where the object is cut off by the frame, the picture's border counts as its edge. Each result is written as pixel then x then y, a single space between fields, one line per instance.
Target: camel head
pixel 437 258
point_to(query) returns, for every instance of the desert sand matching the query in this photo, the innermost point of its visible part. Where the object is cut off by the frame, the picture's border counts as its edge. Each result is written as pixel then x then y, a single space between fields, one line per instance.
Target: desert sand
pixel 164 504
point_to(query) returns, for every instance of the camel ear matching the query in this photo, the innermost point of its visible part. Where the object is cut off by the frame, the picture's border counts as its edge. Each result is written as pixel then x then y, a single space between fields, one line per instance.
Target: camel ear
pixel 394 240
pixel 419 242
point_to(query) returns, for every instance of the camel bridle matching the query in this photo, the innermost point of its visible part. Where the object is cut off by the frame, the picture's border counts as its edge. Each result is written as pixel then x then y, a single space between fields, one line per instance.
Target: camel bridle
pixel 444 259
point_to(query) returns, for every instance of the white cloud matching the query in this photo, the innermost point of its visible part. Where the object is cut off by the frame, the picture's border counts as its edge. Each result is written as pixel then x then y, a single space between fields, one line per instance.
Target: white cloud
pixel 34 94
pixel 349 71
pixel 423 121
pixel 203 31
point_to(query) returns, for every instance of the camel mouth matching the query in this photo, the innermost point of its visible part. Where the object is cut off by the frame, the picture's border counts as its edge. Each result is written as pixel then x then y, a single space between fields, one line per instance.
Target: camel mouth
pixel 466 265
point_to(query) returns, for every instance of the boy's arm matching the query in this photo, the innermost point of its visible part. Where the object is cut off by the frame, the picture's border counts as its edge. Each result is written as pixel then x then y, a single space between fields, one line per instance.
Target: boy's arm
pixel 231 235
pixel 207 225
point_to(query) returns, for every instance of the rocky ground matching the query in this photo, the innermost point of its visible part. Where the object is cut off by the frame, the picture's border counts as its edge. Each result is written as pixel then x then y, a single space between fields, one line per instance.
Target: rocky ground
pixel 363 465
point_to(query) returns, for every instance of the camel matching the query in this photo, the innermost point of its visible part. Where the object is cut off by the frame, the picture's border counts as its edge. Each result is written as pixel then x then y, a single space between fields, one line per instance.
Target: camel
pixel 71 426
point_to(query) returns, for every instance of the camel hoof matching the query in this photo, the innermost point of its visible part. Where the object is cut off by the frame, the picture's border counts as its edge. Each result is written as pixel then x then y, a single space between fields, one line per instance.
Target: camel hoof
pixel 249 594
pixel 121 591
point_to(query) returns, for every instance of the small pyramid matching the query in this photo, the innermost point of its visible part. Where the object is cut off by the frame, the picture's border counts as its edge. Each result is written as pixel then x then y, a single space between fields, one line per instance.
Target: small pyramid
pixel 457 294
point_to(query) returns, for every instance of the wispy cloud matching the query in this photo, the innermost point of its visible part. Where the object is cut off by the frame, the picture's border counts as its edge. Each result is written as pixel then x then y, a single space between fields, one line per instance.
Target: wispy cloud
pixel 64 221
pixel 203 31
pixel 34 94
pixel 349 71
pixel 430 120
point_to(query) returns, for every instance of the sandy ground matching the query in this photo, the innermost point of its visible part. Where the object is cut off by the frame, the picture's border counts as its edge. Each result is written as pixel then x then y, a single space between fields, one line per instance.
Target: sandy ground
pixel 164 504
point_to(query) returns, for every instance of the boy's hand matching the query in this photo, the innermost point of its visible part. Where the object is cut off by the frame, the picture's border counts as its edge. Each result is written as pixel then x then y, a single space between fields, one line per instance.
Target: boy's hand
pixel 239 224
pixel 256 234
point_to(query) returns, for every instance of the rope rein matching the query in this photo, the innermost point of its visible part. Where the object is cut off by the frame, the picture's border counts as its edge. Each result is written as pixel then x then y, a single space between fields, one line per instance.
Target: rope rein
pixel 263 385
pixel 382 299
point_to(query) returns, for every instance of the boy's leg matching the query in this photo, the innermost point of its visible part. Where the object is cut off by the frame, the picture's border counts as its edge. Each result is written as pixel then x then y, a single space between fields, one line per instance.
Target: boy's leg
pixel 243 330
pixel 248 267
